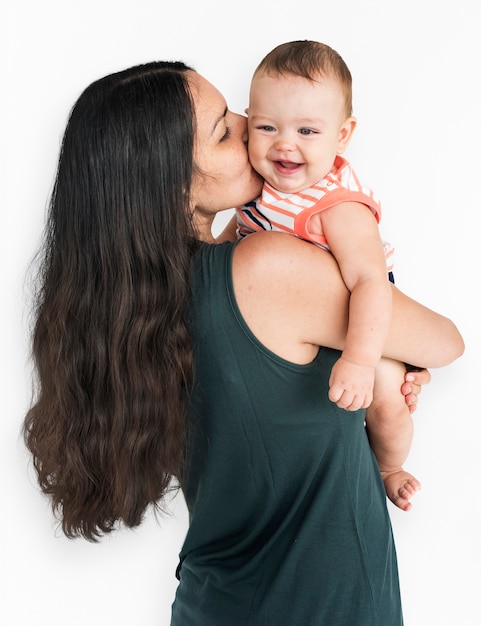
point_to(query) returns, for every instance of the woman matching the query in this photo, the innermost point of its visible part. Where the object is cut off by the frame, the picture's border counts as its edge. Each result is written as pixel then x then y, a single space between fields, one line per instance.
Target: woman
pixel 161 357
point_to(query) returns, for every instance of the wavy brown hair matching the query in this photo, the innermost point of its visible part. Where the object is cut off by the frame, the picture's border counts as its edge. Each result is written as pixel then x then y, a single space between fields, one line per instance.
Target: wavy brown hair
pixel 309 59
pixel 110 346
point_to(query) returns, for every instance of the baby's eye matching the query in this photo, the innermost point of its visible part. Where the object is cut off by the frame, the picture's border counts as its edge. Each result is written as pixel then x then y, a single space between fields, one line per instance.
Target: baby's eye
pixel 306 131
pixel 268 129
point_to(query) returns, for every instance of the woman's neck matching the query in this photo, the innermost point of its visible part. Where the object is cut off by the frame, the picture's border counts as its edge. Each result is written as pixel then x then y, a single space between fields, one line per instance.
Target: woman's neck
pixel 203 227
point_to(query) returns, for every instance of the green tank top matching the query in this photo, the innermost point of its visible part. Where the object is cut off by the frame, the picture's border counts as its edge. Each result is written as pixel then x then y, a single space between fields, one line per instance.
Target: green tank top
pixel 288 518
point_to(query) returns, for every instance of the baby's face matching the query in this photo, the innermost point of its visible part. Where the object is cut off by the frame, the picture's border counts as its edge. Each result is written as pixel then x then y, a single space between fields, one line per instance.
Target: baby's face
pixel 296 129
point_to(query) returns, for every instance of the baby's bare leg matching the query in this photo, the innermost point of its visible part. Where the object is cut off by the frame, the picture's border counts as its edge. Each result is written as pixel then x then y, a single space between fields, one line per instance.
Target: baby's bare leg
pixel 390 429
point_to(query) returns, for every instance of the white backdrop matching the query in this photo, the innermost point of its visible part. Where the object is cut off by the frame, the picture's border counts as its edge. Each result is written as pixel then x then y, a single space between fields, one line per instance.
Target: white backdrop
pixel 416 96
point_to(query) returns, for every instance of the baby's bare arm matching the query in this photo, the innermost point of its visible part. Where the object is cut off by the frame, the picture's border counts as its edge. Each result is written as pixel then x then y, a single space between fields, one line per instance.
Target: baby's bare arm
pixel 352 234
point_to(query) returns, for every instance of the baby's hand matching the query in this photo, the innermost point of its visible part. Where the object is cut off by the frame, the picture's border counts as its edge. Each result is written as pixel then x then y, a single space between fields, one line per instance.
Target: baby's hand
pixel 351 385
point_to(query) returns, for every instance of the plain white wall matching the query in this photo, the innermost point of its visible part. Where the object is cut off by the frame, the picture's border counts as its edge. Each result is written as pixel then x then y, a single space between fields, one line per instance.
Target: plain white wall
pixel 416 95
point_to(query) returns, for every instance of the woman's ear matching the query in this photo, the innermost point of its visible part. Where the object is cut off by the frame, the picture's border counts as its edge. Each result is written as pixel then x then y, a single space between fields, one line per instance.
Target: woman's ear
pixel 345 133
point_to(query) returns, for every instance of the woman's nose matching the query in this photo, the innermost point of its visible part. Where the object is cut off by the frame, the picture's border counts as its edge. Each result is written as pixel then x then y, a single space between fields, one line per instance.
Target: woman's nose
pixel 240 122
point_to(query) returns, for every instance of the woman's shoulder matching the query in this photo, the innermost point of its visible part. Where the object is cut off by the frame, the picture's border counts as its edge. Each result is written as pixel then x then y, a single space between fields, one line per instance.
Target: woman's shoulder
pixel 278 255
pixel 268 243
pixel 282 285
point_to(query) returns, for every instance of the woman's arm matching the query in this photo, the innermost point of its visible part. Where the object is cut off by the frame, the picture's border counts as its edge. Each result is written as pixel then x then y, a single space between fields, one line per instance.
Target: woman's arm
pixel 292 296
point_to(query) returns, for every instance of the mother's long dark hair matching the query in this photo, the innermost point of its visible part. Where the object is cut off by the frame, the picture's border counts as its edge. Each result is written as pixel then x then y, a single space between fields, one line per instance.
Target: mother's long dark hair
pixel 110 345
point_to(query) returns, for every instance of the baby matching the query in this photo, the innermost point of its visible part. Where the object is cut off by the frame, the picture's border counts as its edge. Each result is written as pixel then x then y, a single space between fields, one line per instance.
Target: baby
pixel 300 122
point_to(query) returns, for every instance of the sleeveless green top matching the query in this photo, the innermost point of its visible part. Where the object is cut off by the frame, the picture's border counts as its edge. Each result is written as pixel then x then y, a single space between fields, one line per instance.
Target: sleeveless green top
pixel 288 518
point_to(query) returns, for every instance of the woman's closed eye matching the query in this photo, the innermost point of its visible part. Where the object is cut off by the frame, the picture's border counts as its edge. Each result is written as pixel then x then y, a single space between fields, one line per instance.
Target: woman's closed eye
pixel 227 133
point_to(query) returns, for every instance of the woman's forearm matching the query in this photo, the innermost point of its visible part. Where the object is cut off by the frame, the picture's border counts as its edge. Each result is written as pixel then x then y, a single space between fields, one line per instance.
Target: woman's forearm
pixel 420 336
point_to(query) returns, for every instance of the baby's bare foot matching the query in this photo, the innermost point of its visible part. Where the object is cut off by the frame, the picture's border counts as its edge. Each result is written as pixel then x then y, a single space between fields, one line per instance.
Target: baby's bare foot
pixel 400 487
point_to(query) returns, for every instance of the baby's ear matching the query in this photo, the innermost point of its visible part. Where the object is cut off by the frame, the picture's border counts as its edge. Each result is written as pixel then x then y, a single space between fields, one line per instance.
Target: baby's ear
pixel 345 133
pixel 246 111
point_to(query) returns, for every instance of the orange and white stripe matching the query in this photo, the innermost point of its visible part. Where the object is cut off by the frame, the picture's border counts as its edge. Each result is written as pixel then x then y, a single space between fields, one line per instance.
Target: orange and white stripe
pixel 289 213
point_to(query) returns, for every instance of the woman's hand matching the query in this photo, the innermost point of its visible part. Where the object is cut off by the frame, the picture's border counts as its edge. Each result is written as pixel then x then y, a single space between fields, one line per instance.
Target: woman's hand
pixel 412 386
